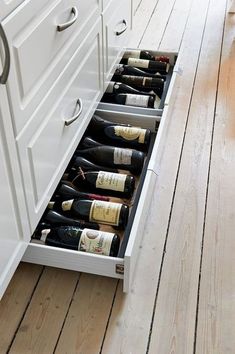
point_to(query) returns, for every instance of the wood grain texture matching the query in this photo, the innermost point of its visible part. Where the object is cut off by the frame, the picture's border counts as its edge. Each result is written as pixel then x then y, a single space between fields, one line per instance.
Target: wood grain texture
pixel 175 316
pixel 15 301
pixel 174 32
pixel 157 24
pixel 130 322
pixel 88 316
pixel 216 316
pixel 44 317
pixel 141 20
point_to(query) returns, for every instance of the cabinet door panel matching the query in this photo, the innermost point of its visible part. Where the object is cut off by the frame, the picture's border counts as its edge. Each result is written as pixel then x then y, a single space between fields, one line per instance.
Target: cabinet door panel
pixel 117 24
pixel 7 7
pixel 39 52
pixel 12 245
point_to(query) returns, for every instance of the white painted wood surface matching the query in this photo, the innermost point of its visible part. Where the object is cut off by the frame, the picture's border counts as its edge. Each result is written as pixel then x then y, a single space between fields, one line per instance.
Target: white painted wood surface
pixel 7 6
pixel 34 71
pixel 216 312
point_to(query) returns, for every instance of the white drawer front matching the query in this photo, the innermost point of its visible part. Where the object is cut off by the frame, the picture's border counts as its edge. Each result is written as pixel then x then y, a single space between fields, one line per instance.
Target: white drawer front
pixel 7 7
pixel 45 149
pixel 115 21
pixel 38 49
pixel 105 3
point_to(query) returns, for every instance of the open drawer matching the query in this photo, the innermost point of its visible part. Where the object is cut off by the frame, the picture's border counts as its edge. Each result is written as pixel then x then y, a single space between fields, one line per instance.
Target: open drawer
pixel 168 87
pixel 123 265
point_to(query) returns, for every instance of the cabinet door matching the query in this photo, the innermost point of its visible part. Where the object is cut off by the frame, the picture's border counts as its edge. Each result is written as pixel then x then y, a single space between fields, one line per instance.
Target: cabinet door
pixel 14 228
pixel 12 245
pixel 7 6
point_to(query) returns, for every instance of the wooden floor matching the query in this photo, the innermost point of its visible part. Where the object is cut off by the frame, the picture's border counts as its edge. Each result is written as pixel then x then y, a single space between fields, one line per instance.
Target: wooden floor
pixel 183 297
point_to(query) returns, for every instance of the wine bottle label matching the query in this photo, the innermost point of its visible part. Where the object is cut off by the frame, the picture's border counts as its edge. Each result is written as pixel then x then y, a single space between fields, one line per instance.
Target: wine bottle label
pixel 130 133
pixel 94 241
pixel 105 212
pixel 139 63
pixel 67 205
pixel 132 54
pixel 111 181
pixel 122 156
pixel 137 100
pixel 110 87
pixel 50 205
pixel 157 102
pixel 147 81
pixel 44 234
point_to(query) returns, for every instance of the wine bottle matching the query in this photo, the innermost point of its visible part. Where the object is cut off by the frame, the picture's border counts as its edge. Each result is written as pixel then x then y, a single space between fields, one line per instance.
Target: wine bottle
pixel 123 135
pixel 56 219
pixel 118 87
pixel 147 65
pixel 143 54
pixel 122 69
pixel 74 238
pixel 128 99
pixel 65 191
pixel 86 165
pixel 113 184
pixel 111 156
pixel 97 211
pixel 144 83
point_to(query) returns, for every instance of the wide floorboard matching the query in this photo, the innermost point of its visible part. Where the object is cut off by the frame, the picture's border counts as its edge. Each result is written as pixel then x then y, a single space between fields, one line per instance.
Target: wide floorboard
pixel 183 297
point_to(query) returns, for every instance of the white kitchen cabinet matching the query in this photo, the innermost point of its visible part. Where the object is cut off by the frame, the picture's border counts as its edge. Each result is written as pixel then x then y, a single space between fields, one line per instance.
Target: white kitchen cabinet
pixel 116 27
pixel 7 6
pixel 14 235
pixel 55 83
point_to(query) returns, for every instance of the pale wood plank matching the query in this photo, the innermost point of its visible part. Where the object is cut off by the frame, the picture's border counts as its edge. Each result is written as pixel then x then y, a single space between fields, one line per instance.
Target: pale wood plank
pixel 157 25
pixel 216 316
pixel 136 3
pixel 175 314
pixel 175 27
pixel 141 20
pixel 88 315
pixel 15 301
pixel 44 317
pixel 130 321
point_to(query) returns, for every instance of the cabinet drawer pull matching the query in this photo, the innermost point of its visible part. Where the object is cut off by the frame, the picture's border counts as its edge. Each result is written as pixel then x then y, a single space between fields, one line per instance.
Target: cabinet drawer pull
pixel 118 33
pixel 75 117
pixel 65 25
pixel 6 68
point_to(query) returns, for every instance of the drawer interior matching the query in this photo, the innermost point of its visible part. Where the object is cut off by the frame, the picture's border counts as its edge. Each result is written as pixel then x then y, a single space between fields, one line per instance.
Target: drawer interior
pixel 167 87
pixel 42 254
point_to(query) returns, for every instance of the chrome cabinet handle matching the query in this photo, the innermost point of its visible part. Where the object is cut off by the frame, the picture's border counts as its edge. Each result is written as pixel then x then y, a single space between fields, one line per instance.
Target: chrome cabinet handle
pixel 6 68
pixel 118 33
pixel 75 117
pixel 65 25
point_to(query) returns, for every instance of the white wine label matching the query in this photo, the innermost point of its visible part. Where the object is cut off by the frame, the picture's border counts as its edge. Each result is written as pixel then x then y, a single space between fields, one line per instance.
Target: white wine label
pixel 122 156
pixel 139 63
pixel 110 87
pixel 111 181
pixel 147 81
pixel 94 241
pixel 132 54
pixel 67 205
pixel 105 212
pixel 44 234
pixel 137 100
pixel 130 133
pixel 157 102
pixel 50 205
